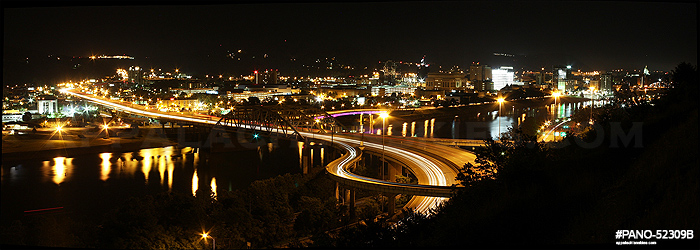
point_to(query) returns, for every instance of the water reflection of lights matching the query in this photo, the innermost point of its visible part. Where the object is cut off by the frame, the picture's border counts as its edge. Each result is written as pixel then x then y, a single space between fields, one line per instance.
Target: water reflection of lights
pixel 413 129
pixel 403 129
pixel 162 166
pixel 425 128
pixel 170 176
pixel 146 165
pixel 60 168
pixel 195 183
pixel 322 151
pixel 213 186
pixel 300 146
pixel 106 165
pixel 427 166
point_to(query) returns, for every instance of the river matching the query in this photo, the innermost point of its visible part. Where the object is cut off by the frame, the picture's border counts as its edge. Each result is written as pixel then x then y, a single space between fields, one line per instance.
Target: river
pixel 90 184
pixel 472 122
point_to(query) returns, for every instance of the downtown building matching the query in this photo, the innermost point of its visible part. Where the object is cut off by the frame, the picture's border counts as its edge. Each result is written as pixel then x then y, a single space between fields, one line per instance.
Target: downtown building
pixel 562 79
pixel 136 75
pixel 481 77
pixel 502 77
pixel 445 81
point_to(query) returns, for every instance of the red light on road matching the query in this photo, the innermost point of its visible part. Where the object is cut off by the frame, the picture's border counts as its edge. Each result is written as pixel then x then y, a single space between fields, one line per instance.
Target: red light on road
pixel 255 72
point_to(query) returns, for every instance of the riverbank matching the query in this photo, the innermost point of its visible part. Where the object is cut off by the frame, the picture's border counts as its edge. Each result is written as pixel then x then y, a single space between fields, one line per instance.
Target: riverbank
pixel 72 142
pixel 486 107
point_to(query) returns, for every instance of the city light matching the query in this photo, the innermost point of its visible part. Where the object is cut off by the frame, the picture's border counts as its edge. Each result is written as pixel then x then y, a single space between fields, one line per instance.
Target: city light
pixel 206 235
pixel 160 119
pixel 500 102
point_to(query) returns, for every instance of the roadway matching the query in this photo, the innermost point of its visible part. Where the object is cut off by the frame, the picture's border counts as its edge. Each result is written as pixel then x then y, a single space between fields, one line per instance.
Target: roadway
pixel 435 166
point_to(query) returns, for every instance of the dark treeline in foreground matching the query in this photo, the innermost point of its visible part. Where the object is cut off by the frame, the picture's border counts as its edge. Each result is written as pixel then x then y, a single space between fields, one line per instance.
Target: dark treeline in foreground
pixel 637 168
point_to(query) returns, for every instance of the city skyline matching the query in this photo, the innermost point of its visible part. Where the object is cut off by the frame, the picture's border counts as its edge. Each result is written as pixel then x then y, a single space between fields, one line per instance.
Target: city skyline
pixel 207 38
pixel 396 124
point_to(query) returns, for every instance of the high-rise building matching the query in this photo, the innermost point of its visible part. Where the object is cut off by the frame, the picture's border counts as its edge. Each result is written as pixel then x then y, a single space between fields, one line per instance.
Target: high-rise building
pixel 478 72
pixel 481 86
pixel 559 76
pixel 594 84
pixel 269 76
pixel 423 69
pixel 135 75
pixel 606 82
pixel 389 71
pixel 502 77
pixel 481 77
pixel 645 77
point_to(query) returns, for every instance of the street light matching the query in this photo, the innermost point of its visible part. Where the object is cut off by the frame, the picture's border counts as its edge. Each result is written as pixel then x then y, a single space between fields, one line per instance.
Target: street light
pixel 106 128
pixel 205 235
pixel 500 102
pixel 312 129
pixel 383 115
pixel 592 102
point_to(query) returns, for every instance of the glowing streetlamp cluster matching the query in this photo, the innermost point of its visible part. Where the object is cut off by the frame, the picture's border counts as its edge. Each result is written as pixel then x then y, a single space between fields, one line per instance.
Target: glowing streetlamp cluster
pixel 205 236
pixel 383 115
pixel 500 103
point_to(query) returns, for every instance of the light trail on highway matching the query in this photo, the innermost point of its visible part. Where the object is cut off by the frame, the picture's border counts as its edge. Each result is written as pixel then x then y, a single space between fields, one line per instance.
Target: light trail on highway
pixel 436 177
pixel 417 163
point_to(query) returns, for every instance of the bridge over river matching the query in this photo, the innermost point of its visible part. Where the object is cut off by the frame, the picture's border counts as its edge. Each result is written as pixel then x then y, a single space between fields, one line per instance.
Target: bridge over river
pixel 435 165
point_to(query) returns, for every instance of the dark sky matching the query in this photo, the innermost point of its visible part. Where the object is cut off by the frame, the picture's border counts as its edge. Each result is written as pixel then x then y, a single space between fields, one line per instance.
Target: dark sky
pixel 591 35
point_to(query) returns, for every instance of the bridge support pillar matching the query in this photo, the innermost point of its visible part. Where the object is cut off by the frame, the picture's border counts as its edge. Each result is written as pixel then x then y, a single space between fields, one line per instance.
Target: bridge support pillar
pixel 337 193
pixel 392 171
pixel 351 197
pixel 391 200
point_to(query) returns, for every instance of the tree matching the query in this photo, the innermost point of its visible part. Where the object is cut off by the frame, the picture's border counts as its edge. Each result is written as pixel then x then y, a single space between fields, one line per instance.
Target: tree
pixel 253 100
pixel 685 83
pixel 27 116
pixel 512 158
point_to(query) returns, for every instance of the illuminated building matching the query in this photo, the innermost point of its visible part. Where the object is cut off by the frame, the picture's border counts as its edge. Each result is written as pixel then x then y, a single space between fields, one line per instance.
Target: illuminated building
pixel 423 69
pixel 135 75
pixel 502 77
pixel 113 57
pixel 482 86
pixel 211 91
pixel 444 81
pixel 261 93
pixel 47 104
pixel 560 76
pixel 269 76
pixel 180 103
pixel 387 90
pixel 606 82
pixel 478 72
pixel 389 71
pixel 481 77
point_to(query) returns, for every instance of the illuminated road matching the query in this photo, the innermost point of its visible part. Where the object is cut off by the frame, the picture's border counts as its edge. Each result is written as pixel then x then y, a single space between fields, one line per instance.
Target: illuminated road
pixel 435 166
pixel 546 135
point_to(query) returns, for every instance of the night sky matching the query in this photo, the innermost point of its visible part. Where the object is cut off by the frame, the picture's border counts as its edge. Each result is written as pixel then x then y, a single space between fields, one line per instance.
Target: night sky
pixel 590 35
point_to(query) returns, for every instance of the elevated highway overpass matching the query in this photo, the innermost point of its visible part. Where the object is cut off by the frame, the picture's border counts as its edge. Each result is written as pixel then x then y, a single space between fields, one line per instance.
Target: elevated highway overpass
pixel 435 166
